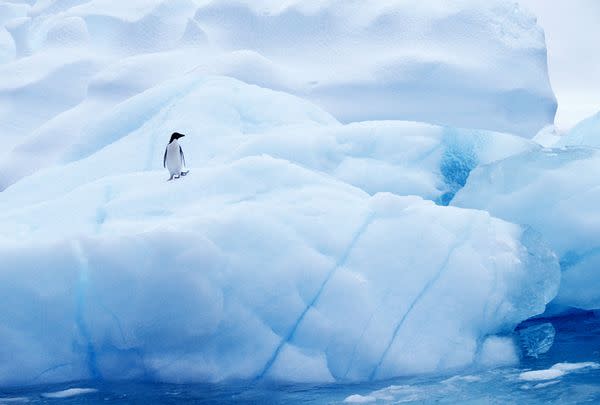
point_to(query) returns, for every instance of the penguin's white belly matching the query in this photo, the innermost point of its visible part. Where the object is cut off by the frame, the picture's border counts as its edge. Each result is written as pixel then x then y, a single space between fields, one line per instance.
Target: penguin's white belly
pixel 174 163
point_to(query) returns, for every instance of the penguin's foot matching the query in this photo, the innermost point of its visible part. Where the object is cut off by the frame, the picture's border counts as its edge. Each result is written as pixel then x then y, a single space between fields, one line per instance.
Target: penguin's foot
pixel 177 176
pixel 170 178
pixel 185 172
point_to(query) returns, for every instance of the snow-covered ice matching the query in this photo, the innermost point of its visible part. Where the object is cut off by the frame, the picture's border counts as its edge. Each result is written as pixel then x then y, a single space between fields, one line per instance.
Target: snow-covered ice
pixel 467 63
pixel 69 62
pixel 303 245
pixel 256 268
pixel 228 120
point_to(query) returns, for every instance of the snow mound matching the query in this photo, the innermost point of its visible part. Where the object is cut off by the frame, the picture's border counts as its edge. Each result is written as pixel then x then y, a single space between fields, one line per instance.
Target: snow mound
pixel 555 192
pixel 254 269
pixel 219 113
pixel 226 120
pixel 469 64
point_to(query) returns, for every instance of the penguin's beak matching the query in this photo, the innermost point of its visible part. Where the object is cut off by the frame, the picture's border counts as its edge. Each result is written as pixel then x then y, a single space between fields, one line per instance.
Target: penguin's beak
pixel 181 136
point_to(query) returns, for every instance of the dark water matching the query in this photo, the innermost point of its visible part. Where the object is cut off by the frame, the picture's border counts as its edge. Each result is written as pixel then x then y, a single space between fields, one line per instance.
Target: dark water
pixel 577 340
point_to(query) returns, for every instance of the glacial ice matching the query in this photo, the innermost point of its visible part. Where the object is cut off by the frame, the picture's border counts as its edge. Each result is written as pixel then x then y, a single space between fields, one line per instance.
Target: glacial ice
pixel 537 339
pixel 554 191
pixel 253 269
pixel 301 246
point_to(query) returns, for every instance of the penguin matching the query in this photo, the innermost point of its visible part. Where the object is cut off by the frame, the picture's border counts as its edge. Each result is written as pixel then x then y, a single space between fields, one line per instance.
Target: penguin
pixel 174 160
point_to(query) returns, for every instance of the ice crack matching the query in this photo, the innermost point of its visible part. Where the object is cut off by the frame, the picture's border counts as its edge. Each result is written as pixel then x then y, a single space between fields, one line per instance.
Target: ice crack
pixel 81 301
pixel 340 263
pixel 415 301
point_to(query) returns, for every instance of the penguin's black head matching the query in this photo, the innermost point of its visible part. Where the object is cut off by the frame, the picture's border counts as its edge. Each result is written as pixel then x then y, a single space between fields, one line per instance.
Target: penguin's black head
pixel 176 135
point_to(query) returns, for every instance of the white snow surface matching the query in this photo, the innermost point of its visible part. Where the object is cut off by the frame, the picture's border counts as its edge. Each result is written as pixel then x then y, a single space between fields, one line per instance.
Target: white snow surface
pixel 227 120
pixel 555 191
pixel 65 64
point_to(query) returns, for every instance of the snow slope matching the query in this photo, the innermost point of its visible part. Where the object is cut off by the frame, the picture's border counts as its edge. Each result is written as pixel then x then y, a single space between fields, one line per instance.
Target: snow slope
pixel 227 120
pixel 466 64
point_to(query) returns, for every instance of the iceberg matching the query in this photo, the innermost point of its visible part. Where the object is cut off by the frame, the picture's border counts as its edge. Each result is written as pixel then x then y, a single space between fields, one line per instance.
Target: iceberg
pixel 554 191
pixel 303 245
pixel 256 269
pixel 275 258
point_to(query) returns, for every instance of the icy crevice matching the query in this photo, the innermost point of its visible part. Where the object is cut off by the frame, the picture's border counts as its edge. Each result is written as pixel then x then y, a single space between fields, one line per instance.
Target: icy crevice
pixel 418 298
pixel 359 341
pixel 458 160
pixel 340 263
pixel 46 371
pixel 81 302
pixel 101 212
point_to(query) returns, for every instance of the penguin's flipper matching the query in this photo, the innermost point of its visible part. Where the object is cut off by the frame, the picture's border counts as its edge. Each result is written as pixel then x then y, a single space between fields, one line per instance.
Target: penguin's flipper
pixel 165 158
pixel 182 156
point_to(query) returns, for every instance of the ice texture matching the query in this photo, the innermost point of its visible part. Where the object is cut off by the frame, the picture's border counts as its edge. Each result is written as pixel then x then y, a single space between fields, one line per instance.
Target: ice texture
pixel 537 339
pixel 267 261
pixel 554 191
pixel 254 269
